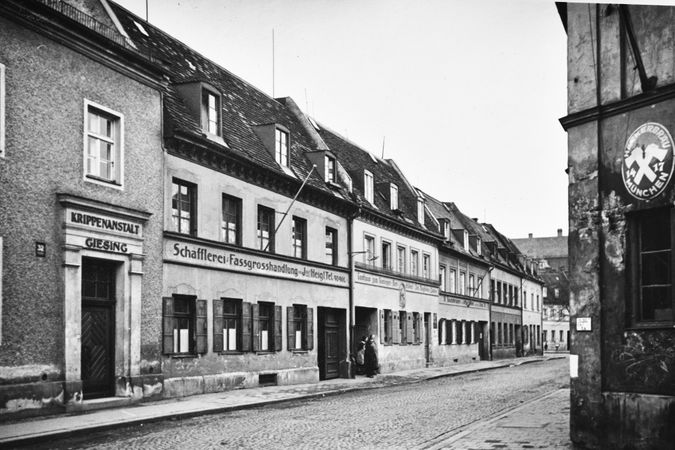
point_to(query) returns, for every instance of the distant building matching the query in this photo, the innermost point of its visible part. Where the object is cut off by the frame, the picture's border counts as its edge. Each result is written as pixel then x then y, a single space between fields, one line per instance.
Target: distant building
pixel 620 125
pixel 550 255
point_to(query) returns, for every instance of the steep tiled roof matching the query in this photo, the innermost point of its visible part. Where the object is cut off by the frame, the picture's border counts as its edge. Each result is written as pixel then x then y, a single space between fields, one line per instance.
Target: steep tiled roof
pixel 355 160
pixel 243 105
pixel 543 247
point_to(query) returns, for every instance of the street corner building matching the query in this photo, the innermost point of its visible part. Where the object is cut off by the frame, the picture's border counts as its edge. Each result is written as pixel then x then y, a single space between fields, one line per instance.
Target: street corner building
pixel 167 229
pixel 621 105
pixel 80 209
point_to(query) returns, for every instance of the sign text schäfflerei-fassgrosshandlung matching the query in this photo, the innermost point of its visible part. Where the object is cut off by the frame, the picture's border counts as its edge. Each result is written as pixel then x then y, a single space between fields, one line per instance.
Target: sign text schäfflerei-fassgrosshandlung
pixel 240 262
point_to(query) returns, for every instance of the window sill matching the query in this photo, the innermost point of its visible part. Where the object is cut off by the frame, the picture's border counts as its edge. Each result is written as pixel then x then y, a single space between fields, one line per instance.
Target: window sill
pixel 299 352
pixel 104 181
pixel 182 355
pixel 265 352
pixel 651 326
pixel 231 352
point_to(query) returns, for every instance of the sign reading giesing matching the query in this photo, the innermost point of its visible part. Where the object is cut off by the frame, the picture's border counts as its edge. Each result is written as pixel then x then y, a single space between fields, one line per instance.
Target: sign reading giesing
pixel 647 161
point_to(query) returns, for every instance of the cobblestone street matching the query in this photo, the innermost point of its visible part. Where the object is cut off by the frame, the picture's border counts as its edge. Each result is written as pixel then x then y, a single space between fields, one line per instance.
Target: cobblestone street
pixel 420 415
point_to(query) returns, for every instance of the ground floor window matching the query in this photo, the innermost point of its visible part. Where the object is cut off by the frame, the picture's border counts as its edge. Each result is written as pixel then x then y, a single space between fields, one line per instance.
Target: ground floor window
pixel 386 319
pixel 403 327
pixel 266 319
pixel 300 327
pixel 184 325
pixel 416 327
pixel 230 318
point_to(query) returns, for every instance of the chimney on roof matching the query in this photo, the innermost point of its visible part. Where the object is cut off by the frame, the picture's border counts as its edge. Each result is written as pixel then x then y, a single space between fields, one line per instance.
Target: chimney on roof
pixel 475 219
pixel 529 236
pixel 559 232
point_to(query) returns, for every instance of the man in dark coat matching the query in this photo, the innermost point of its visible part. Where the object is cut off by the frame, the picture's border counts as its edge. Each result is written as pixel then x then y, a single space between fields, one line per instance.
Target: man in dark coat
pixel 371 366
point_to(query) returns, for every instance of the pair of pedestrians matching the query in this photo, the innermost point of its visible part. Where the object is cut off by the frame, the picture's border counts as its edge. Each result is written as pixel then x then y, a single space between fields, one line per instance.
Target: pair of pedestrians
pixel 366 356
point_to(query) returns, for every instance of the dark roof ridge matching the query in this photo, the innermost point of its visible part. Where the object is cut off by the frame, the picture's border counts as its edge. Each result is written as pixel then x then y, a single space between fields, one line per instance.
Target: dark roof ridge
pixel 169 36
pixel 349 141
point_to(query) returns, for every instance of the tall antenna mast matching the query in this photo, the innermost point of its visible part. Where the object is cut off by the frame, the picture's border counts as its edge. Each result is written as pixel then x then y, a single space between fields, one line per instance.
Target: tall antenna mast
pixel 383 138
pixel 272 62
pixel 146 10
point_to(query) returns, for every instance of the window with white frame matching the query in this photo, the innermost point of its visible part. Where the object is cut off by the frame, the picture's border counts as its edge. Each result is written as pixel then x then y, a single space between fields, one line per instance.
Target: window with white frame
pixel 441 277
pixel 104 141
pixel 472 285
pixel 400 259
pixel 368 189
pixel 386 255
pixel 211 111
pixel 281 147
pixel 369 247
pixel 2 110
pixel 299 237
pixel 414 262
pixel 420 211
pixel 331 246
pixel 393 196
pixel 462 283
pixel 452 281
pixel 426 266
pixel 329 163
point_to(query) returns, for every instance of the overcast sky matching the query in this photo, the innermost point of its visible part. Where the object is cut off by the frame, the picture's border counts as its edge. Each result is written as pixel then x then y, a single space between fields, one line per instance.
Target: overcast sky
pixel 465 94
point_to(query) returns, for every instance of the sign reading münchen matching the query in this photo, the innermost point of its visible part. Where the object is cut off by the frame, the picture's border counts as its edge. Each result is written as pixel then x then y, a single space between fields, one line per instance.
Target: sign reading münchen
pixel 647 161
pixel 240 262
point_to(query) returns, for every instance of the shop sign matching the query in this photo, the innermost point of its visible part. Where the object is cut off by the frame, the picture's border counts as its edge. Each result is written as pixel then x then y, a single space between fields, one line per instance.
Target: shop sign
pixel 106 245
pixel 103 223
pixel 647 161
pixel 402 286
pixel 254 264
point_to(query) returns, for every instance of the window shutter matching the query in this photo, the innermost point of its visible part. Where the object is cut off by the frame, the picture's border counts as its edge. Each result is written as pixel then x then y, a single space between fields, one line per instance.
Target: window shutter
pixel 409 328
pixel 167 325
pixel 418 337
pixel 310 328
pixel 255 309
pixel 201 328
pixel 218 325
pixel 395 331
pixel 381 326
pixel 290 332
pixel 277 328
pixel 245 338
pixel 440 332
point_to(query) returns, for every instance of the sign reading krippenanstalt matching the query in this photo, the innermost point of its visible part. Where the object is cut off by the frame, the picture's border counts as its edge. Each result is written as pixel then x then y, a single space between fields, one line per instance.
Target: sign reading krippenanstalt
pixel 647 161
pixel 218 258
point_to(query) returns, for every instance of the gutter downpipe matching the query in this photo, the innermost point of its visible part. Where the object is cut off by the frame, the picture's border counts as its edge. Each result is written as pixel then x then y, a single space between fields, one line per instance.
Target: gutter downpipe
pixel 352 313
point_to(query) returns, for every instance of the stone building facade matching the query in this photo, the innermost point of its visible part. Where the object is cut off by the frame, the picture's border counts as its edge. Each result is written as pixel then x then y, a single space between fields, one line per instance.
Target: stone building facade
pixel 80 209
pixel 621 113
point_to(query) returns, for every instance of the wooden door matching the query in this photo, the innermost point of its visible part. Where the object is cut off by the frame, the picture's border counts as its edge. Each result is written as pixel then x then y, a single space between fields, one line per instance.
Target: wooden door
pixel 331 342
pixel 98 328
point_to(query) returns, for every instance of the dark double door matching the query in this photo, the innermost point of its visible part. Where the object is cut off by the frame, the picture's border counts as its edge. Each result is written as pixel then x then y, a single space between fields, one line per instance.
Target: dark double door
pixel 332 341
pixel 98 328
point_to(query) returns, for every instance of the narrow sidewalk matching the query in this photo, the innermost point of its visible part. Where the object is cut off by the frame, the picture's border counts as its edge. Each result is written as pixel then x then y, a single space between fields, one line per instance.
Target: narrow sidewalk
pixel 50 427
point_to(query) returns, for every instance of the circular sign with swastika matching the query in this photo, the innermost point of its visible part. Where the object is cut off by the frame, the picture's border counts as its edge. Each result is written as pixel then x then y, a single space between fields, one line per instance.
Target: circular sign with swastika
pixel 647 161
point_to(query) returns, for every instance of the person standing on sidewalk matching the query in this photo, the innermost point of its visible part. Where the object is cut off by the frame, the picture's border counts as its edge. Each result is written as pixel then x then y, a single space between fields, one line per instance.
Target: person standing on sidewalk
pixel 372 365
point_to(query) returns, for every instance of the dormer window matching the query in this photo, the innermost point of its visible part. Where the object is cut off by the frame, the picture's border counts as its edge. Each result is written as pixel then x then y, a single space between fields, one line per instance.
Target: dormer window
pixel 330 169
pixel 281 147
pixel 211 106
pixel 368 190
pixel 420 211
pixel 466 240
pixel 446 230
pixel 393 194
pixel 478 246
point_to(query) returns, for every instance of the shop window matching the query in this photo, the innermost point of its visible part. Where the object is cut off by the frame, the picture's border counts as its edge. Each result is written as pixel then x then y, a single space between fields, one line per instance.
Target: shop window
pixel 331 246
pixel 650 267
pixel 414 263
pixel 211 111
pixel 400 259
pixel 184 325
pixel 281 146
pixel 386 318
pixel 402 328
pixel 386 255
pixel 329 163
pixel 416 327
pixel 184 207
pixel 299 238
pixel 228 325
pixel 266 229
pixel 230 228
pixel 104 144
pixel 426 266
pixel 368 189
pixel 300 327
pixel 266 319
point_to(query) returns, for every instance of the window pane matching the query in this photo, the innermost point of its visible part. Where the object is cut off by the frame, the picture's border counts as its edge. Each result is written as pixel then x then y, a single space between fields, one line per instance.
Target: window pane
pixel 655 231
pixel 655 268
pixel 657 304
